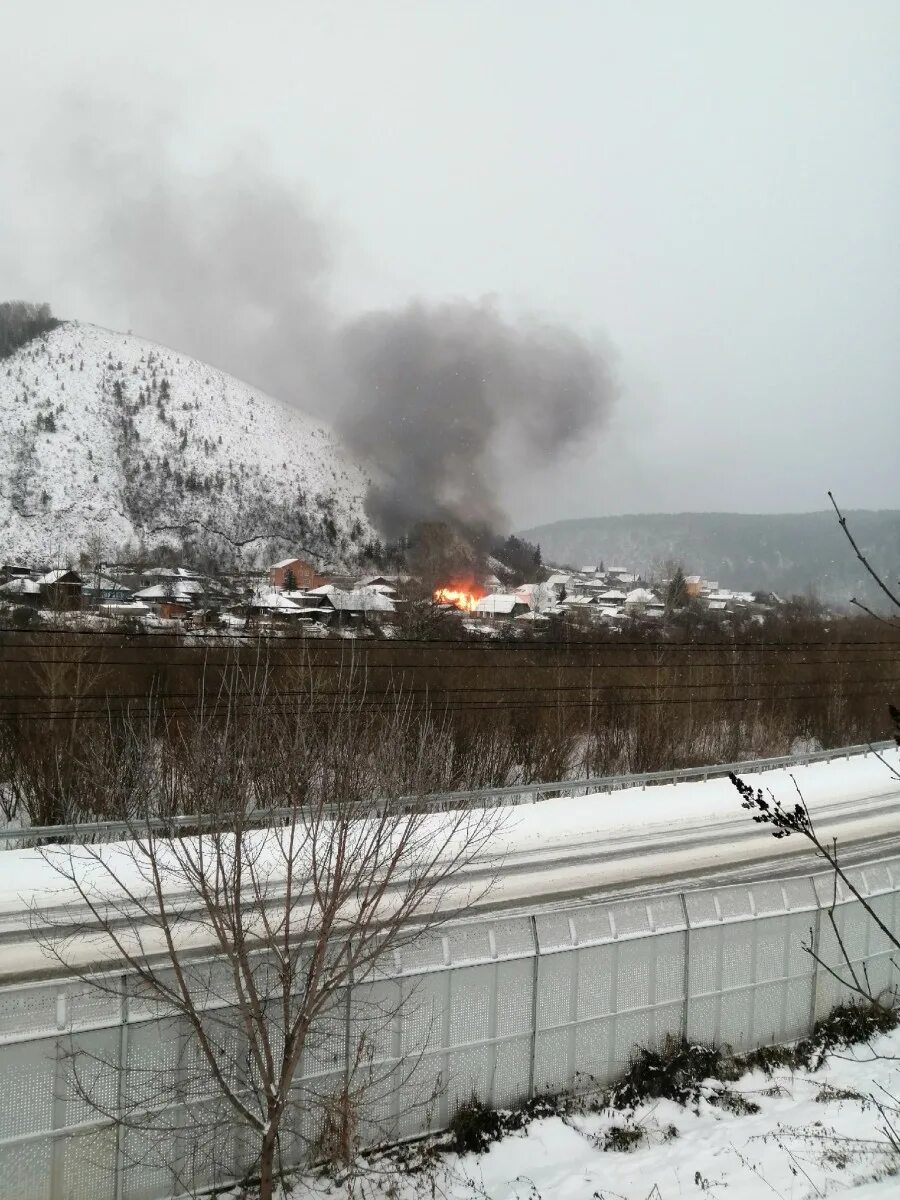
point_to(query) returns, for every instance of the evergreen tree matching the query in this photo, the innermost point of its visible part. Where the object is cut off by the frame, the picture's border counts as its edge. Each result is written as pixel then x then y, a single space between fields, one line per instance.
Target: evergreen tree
pixel 677 595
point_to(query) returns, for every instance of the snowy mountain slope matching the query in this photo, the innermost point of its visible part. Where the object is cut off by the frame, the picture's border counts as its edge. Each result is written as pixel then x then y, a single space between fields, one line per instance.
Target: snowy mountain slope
pixel 113 443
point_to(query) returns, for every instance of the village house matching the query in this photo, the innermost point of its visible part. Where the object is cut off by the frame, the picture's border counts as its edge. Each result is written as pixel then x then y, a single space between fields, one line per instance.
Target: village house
pixel 580 602
pixel 641 600
pixel 269 603
pixel 610 613
pixel 102 589
pixel 11 571
pixel 60 590
pixel 168 600
pixel 292 574
pixel 560 584
pixel 359 606
pixel 500 606
pixel 21 591
pixel 693 585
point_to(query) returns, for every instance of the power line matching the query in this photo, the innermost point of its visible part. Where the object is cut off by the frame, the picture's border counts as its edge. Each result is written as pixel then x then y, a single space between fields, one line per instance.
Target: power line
pixel 458 705
pixel 361 662
pixel 224 641
pixel 437 689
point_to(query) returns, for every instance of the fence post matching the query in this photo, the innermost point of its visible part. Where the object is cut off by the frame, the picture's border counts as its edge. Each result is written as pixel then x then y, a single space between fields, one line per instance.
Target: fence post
pixel 121 1096
pixel 534 1004
pixel 686 985
pixel 815 942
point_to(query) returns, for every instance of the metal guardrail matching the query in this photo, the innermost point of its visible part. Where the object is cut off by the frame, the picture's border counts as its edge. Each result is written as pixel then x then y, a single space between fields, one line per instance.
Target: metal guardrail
pixel 496 797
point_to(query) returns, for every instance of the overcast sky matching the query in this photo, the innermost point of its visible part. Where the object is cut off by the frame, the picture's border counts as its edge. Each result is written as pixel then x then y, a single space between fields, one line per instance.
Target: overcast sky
pixel 711 189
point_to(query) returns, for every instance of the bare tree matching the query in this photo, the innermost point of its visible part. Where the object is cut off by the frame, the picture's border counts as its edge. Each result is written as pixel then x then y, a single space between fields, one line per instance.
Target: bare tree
pixel 784 820
pixel 262 933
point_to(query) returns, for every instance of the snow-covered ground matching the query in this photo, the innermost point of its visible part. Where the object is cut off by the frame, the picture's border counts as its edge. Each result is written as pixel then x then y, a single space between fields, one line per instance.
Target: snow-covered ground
pixel 816 1134
pixel 106 437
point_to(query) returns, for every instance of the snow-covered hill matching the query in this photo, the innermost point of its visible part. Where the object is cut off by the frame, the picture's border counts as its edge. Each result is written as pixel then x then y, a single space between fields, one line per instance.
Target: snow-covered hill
pixel 109 444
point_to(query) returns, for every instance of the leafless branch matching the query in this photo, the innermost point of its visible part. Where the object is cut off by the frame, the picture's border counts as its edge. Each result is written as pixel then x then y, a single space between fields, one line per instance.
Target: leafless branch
pixel 842 521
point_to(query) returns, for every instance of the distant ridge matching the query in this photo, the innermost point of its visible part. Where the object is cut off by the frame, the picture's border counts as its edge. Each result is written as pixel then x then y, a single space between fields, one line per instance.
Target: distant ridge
pixel 782 552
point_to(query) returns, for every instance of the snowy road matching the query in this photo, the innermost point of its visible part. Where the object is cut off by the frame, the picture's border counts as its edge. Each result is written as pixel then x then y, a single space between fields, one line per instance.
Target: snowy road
pixel 697 854
pixel 572 848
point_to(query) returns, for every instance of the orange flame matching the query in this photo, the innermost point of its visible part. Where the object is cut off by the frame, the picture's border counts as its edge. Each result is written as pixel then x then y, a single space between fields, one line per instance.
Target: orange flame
pixel 462 599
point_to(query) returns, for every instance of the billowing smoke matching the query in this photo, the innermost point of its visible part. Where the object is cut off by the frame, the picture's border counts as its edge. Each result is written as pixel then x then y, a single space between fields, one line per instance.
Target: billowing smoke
pixel 234 268
pixel 436 391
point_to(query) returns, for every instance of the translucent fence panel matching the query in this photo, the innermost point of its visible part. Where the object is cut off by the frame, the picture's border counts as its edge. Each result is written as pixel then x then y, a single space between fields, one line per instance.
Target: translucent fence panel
pixel 851 941
pixel 749 980
pixel 610 977
pixel 503 1008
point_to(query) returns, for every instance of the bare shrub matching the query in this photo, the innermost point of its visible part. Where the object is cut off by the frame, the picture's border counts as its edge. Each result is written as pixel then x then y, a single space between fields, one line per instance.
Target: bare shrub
pixel 250 937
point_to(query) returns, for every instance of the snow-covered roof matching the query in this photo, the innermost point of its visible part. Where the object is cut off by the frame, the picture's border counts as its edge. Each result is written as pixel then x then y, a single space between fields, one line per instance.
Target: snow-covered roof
pixel 641 596
pixel 55 576
pixel 20 587
pixel 376 581
pixel 693 578
pixel 274 601
pixel 609 611
pixel 176 589
pixel 559 579
pixel 578 601
pixel 716 605
pixel 125 608
pixel 285 562
pixel 165 591
pixel 384 589
pixel 613 595
pixel 497 604
pixel 171 572
pixel 324 589
pixel 361 600
pixel 105 584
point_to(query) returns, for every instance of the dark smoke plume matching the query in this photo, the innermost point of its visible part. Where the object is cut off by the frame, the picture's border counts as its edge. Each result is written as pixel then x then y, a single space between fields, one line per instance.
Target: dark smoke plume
pixel 233 268
pixel 435 392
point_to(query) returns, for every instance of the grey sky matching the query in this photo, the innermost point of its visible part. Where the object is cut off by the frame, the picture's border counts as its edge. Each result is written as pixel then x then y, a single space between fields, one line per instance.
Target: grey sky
pixel 711 188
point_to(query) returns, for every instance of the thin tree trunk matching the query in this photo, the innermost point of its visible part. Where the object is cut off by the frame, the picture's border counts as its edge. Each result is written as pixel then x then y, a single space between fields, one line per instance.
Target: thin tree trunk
pixel 267 1165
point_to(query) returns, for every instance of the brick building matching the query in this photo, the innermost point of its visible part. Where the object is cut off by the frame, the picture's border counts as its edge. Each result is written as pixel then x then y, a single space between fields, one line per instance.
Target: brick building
pixel 296 570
